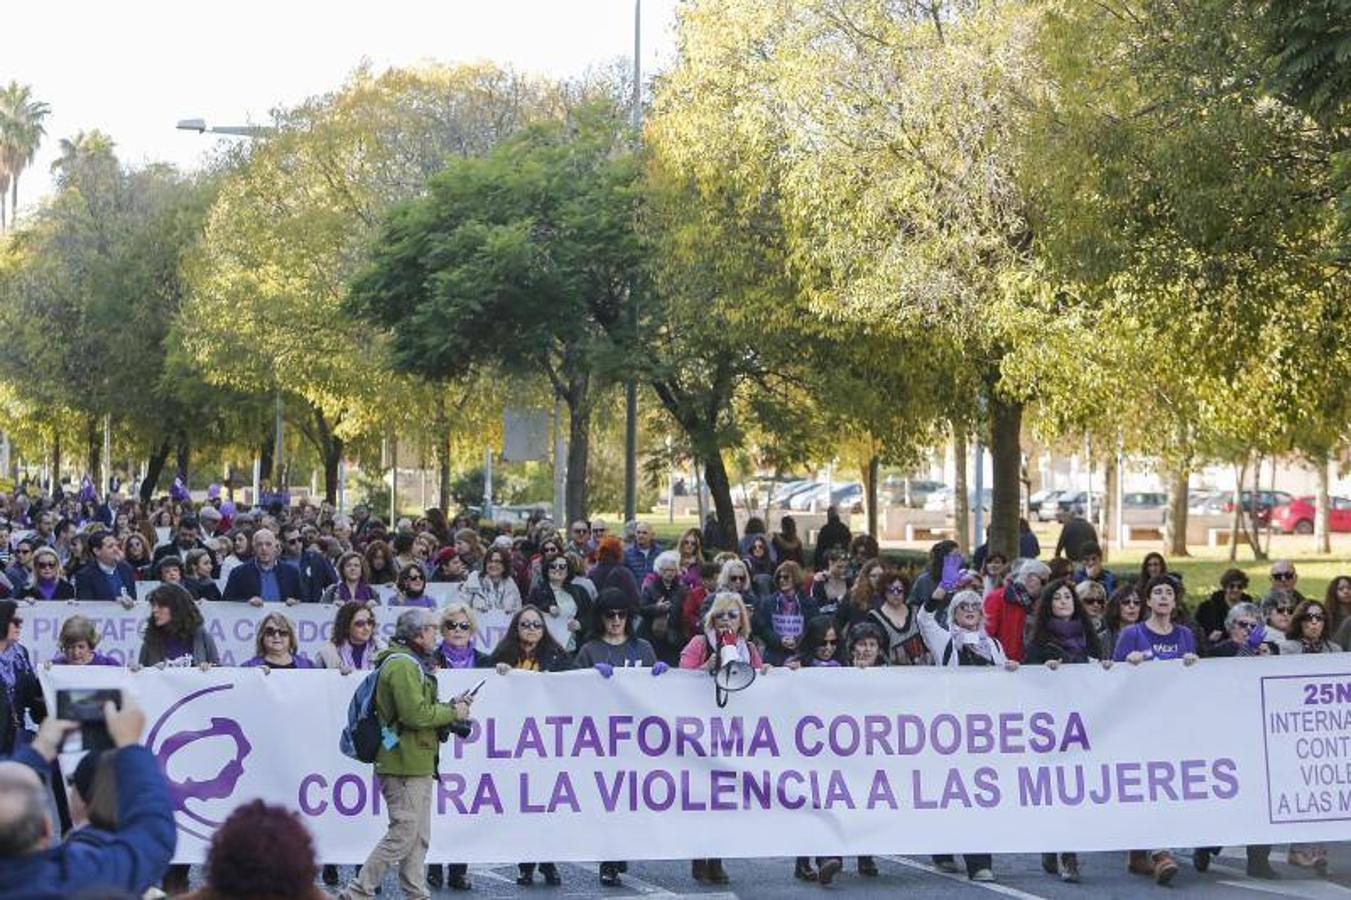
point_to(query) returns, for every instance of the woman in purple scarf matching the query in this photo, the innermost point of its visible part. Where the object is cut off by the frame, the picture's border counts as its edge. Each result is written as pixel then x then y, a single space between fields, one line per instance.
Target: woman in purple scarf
pixel 354 583
pixel 354 644
pixel 412 585
pixel 1062 632
pixel 47 582
pixel 459 628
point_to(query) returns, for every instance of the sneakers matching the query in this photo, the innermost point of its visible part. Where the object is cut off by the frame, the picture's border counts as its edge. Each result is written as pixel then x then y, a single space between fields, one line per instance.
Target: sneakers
pixel 982 875
pixel 609 875
pixel 802 869
pixel 1201 858
pixel 867 867
pixel 1069 868
pixel 716 873
pixel 829 869
pixel 1164 868
pixel 1304 859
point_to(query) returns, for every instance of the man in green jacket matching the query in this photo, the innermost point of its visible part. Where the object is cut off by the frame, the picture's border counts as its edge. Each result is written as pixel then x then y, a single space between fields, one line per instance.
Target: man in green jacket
pixel 405 698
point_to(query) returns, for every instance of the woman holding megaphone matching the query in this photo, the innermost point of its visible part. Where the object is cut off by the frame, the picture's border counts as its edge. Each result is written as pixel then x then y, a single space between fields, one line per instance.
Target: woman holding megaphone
pixel 727 634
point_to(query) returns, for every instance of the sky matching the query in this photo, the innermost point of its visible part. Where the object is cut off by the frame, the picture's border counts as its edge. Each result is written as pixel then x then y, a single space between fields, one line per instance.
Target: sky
pixel 133 69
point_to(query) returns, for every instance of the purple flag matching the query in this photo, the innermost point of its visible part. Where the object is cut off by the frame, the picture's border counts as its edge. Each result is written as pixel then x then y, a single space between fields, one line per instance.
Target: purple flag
pixel 179 489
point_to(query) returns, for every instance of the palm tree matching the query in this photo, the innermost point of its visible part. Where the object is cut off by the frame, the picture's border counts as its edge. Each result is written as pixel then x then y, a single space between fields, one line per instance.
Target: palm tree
pixel 83 145
pixel 21 132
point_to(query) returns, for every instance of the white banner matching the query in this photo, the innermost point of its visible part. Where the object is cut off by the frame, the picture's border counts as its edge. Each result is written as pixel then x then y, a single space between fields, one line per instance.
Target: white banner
pixel 231 625
pixel 904 760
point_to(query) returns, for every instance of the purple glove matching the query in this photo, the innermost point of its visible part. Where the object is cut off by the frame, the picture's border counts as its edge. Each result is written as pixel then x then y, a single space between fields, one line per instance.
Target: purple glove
pixel 659 668
pixel 952 570
pixel 1257 636
pixel 605 669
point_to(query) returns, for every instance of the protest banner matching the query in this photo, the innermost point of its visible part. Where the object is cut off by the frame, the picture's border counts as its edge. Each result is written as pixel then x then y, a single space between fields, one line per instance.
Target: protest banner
pixel 573 766
pixel 231 625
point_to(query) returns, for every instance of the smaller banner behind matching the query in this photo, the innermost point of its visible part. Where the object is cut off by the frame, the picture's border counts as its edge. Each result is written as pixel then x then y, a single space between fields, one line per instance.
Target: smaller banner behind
pixel 574 766
pixel 231 625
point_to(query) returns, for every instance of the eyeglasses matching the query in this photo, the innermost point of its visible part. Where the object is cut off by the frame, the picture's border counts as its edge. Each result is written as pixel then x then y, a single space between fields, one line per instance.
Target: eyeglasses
pixel 1283 610
pixel 1246 626
pixel 735 578
pixel 1282 576
pixel 530 625
pixel 558 567
pixel 363 623
pixel 616 614
pixel 271 632
pixel 1131 601
pixel 896 589
pixel 47 564
pixel 1313 617
pixel 455 626
pixel 414 577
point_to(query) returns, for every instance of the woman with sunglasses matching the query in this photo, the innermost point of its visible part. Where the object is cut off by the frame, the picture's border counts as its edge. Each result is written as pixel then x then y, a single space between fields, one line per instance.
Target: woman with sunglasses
pixel 691 551
pixel 616 647
pixel 275 645
pixel 820 646
pixel 1308 634
pixel 459 628
pixel 20 569
pixel 1243 634
pixel 781 618
pixel 963 642
pixel 726 624
pixel 1278 606
pixel 757 557
pixel 354 644
pixel 20 691
pixel 1124 609
pixel 174 632
pixel 412 587
pixel 47 581
pixel 493 588
pixel 902 644
pixel 1093 596
pixel 558 596
pixel 1214 610
pixel 527 646
pixel 353 582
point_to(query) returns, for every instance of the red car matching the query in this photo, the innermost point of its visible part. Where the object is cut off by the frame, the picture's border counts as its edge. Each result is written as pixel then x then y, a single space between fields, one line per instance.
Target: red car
pixel 1297 516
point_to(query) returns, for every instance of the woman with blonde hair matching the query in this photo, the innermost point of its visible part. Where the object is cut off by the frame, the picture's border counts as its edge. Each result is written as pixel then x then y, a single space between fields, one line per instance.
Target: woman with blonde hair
pixel 727 623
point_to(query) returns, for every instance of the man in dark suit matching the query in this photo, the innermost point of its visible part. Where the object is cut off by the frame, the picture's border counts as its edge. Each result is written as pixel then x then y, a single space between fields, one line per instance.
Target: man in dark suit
pixel 316 572
pixel 108 576
pixel 264 579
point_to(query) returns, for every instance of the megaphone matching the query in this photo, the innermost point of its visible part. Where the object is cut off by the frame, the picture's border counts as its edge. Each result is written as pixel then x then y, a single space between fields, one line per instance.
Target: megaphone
pixel 732 674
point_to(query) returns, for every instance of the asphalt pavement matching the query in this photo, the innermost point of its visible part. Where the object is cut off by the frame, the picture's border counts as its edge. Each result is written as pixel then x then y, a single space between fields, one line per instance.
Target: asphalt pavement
pixel 1018 876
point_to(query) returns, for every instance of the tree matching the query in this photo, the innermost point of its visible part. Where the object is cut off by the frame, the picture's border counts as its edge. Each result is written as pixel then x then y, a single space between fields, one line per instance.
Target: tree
pixel 521 259
pixel 290 227
pixel 21 133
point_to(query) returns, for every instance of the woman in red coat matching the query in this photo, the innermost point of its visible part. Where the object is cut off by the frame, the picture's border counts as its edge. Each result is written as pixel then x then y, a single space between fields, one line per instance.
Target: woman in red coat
pixel 1007 608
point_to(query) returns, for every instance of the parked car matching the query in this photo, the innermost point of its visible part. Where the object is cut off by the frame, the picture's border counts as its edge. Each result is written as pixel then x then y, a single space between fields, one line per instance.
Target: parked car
pixel 1075 503
pixel 786 492
pixel 1038 500
pixel 1266 502
pixel 848 496
pixel 1144 500
pixel 943 500
pixel 1297 516
pixel 893 491
pixel 1048 506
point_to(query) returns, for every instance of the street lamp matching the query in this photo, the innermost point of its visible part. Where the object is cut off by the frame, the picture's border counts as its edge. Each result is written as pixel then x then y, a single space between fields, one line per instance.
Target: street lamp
pixel 248 131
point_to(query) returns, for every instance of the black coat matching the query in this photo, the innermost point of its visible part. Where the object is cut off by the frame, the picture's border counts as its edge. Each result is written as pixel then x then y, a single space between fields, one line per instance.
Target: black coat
pixel 27 697
pixel 245 582
pixel 64 591
pixel 91 584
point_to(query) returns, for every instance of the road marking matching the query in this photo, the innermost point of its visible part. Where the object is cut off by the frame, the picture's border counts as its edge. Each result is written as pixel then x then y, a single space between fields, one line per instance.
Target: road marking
pixel 993 886
pixel 1308 888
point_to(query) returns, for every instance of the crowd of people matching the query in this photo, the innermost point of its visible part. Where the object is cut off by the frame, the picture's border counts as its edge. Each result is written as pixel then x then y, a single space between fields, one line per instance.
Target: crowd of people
pixel 626 601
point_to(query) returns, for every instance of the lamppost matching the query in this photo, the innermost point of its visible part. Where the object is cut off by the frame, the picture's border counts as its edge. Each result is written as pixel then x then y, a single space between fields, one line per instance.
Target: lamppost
pixel 248 131
pixel 631 385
